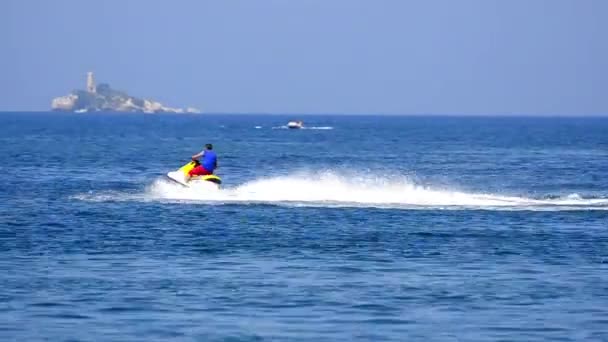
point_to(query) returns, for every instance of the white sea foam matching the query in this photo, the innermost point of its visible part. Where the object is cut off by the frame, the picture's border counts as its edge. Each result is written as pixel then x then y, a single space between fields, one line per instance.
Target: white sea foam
pixel 329 189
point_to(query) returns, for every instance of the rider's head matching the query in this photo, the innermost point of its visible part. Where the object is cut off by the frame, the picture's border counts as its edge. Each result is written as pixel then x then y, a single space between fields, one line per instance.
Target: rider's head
pixel 209 146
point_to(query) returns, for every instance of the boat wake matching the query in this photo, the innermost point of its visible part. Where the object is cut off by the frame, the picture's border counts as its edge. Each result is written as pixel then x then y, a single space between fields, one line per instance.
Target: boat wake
pixel 328 189
pixel 307 127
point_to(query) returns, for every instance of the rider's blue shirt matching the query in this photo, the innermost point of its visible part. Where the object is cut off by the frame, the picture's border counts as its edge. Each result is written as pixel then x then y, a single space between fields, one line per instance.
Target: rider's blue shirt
pixel 209 160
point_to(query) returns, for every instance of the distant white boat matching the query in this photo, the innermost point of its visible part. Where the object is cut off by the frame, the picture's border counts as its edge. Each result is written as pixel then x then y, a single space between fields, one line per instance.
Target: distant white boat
pixel 295 124
pixel 83 110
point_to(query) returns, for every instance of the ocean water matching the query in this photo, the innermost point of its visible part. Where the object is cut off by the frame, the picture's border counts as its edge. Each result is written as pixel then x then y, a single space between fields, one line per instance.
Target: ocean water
pixel 357 228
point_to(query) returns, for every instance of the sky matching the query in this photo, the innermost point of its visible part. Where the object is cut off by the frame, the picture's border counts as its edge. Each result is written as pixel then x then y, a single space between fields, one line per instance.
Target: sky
pixel 465 57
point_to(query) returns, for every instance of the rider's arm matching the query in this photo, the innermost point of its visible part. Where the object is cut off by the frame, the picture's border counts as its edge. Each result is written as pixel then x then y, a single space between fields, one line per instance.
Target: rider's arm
pixel 198 155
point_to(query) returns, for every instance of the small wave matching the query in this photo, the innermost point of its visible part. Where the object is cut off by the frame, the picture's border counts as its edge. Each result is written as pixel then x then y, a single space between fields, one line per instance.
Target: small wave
pixel 330 189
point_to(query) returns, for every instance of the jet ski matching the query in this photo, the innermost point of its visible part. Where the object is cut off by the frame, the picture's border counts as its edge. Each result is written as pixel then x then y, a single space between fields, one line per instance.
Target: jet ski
pixel 180 176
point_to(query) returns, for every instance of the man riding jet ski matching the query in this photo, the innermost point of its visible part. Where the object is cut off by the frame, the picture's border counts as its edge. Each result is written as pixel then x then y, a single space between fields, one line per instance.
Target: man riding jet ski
pixel 198 170
pixel 208 165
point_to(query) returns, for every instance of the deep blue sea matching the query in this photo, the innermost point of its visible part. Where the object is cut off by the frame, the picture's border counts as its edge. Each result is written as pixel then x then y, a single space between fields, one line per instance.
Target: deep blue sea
pixel 356 228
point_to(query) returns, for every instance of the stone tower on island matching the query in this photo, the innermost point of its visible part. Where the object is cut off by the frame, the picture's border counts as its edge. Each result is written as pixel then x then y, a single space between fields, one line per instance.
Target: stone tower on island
pixel 91 88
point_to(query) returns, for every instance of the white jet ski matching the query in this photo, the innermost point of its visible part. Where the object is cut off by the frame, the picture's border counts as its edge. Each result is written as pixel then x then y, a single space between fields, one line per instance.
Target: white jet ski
pixel 180 176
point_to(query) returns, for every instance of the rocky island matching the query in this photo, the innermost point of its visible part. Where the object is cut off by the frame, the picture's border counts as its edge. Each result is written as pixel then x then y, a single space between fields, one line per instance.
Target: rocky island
pixel 102 98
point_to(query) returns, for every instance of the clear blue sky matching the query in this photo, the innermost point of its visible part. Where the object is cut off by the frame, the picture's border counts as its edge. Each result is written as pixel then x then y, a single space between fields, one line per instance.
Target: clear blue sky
pixel 542 57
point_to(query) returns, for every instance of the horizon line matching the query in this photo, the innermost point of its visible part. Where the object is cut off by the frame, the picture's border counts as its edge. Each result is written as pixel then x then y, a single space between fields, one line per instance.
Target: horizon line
pixel 519 115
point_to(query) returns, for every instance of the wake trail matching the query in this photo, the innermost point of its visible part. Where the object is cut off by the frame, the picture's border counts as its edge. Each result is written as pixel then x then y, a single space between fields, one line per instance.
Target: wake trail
pixel 322 128
pixel 330 189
